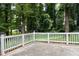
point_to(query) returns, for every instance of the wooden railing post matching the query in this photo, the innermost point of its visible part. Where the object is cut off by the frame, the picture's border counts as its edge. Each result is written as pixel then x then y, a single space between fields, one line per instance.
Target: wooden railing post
pixel 2 45
pixel 67 38
pixel 22 39
pixel 48 37
pixel 34 36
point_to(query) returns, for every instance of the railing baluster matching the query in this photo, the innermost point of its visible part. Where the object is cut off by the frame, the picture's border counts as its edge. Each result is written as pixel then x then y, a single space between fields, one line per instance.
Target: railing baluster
pixel 5 43
pixel 11 41
pixel 2 45
pixel 34 36
pixel 74 37
pixel 48 37
pixel 67 38
pixel 64 37
pixel 15 40
pixel 22 39
pixel 8 42
pixel 54 37
pixel 71 38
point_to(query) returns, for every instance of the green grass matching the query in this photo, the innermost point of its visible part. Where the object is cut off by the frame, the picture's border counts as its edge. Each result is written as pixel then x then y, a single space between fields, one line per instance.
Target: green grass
pixel 58 37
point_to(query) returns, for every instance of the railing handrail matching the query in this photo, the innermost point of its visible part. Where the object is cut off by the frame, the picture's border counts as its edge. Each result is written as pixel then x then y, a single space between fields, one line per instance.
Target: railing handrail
pixel 43 33
pixel 17 35
pixel 12 36
pixel 56 33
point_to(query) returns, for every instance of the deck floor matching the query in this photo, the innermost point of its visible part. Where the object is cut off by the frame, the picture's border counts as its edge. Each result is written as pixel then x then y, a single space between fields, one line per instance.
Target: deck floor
pixel 45 49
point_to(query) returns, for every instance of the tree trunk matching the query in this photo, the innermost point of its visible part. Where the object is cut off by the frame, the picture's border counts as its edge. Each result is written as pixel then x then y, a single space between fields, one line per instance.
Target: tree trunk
pixel 50 9
pixel 66 18
pixel 22 21
pixel 77 13
pixel 6 19
pixel 10 31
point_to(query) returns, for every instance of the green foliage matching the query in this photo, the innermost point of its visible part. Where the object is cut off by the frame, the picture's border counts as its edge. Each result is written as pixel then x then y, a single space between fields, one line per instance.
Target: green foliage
pixel 32 23
pixel 31 17
pixel 45 23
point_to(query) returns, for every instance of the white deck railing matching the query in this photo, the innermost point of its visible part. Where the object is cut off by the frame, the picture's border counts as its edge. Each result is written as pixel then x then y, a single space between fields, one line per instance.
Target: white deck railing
pixel 10 42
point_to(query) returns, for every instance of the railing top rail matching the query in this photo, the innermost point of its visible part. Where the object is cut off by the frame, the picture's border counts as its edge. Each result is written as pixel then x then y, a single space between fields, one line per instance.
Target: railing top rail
pixel 12 36
pixel 17 35
pixel 27 33
pixel 57 32
pixel 42 33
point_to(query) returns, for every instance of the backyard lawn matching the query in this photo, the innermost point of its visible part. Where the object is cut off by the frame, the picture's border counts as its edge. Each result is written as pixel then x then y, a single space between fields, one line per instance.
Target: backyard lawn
pixel 58 37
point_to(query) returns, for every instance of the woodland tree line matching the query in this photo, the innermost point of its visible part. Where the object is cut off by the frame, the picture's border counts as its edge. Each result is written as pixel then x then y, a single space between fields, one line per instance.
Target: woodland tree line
pixel 39 17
